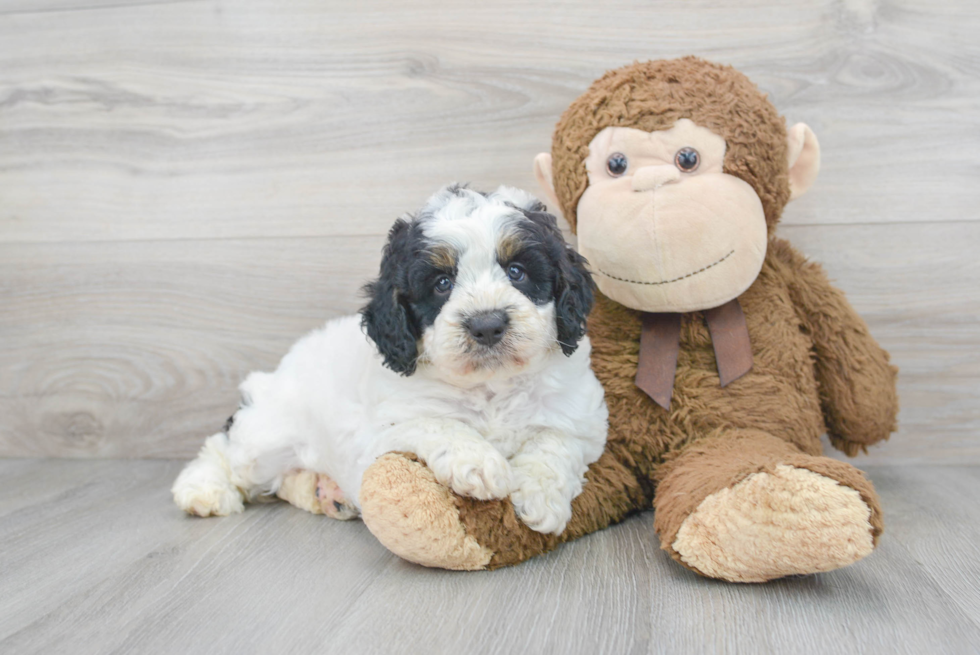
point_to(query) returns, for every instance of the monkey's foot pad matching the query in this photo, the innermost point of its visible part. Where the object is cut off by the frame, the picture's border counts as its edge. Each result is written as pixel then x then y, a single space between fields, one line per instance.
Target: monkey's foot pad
pixel 317 493
pixel 791 521
pixel 415 517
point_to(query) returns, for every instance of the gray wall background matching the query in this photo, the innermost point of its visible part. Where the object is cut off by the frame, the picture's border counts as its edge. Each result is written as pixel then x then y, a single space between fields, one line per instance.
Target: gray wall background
pixel 187 187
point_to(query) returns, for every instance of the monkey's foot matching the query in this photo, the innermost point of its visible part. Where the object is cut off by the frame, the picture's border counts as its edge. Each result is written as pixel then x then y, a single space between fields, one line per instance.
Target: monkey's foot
pixel 773 524
pixel 415 517
pixel 745 506
pixel 316 493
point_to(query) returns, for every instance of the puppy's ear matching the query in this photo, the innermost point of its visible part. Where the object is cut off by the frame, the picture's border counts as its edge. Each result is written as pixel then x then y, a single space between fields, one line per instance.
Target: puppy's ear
pixel 574 296
pixel 386 318
pixel 574 290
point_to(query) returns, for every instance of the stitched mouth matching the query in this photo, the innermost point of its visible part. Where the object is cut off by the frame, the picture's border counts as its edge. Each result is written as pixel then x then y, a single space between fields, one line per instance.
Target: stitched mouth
pixel 676 279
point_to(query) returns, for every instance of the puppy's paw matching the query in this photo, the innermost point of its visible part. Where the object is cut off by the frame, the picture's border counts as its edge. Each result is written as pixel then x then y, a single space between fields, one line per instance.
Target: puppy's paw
pixel 543 508
pixel 480 473
pixel 204 486
pixel 333 500
pixel 207 497
pixel 316 493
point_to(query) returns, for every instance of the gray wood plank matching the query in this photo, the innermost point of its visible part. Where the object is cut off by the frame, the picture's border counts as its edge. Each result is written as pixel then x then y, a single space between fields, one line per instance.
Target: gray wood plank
pixel 314 118
pixel 96 559
pixel 151 339
pixel 136 349
pixel 939 515
pixel 8 7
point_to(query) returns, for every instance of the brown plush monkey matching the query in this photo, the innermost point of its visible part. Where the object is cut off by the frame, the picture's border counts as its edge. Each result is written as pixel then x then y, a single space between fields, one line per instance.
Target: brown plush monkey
pixel 724 354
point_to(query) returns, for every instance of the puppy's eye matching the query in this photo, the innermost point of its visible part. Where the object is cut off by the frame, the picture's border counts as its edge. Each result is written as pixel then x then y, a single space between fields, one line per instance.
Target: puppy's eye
pixel 516 273
pixel 687 159
pixel 443 285
pixel 617 164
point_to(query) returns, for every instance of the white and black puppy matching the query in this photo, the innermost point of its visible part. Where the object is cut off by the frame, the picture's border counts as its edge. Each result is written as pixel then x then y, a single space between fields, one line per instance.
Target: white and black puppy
pixel 475 359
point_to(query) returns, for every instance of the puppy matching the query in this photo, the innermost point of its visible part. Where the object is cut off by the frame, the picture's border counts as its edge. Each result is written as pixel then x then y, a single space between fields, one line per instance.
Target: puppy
pixel 475 358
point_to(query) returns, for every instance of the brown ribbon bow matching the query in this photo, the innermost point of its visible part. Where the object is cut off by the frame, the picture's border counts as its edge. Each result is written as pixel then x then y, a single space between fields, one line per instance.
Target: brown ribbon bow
pixel 660 342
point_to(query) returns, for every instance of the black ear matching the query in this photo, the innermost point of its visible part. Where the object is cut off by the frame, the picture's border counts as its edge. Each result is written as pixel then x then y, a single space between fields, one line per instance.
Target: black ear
pixel 574 296
pixel 574 290
pixel 387 318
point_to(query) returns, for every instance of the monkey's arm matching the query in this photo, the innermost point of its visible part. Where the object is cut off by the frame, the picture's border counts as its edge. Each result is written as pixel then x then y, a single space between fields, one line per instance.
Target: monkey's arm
pixel 857 384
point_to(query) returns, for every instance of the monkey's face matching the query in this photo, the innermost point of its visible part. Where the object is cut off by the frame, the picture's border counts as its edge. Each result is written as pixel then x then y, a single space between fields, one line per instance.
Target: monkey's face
pixel 663 227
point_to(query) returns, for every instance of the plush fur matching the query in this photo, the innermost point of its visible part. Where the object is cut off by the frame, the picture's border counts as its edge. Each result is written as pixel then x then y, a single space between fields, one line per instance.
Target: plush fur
pixel 816 368
pixel 474 358
pixel 654 95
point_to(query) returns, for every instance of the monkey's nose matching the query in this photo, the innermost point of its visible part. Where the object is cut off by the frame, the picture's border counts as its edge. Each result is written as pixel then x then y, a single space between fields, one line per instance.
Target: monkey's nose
pixel 487 328
pixel 649 178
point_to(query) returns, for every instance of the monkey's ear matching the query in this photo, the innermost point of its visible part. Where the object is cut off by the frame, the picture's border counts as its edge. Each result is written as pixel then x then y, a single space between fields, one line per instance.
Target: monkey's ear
pixel 386 316
pixel 804 159
pixel 542 171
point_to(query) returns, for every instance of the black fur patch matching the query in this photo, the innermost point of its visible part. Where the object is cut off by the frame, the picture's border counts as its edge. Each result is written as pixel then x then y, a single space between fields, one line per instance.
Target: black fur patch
pixel 554 272
pixel 403 301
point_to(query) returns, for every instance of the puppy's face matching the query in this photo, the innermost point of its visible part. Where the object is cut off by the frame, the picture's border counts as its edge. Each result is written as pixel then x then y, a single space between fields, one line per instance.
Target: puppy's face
pixel 477 286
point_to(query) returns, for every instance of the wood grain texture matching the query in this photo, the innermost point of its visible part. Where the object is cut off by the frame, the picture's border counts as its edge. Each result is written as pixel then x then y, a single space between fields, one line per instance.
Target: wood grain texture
pixel 187 187
pixel 308 118
pixel 135 349
pixel 97 559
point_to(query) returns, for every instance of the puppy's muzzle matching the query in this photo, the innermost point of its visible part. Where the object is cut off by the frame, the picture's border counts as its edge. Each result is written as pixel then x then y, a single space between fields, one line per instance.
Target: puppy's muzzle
pixel 487 328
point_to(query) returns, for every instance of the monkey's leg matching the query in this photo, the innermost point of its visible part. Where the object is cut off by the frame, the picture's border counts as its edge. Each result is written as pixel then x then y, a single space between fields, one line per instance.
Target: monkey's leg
pixel 424 522
pixel 749 507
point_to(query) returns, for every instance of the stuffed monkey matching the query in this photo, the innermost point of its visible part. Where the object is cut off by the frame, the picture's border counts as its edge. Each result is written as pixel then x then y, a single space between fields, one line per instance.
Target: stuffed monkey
pixel 724 354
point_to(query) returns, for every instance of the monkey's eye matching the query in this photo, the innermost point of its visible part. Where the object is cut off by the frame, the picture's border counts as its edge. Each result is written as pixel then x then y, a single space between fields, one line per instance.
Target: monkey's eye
pixel 443 285
pixel 617 164
pixel 516 273
pixel 687 159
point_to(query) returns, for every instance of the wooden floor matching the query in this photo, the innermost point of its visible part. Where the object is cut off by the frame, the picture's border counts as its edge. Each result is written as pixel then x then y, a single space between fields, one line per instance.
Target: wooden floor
pixel 96 559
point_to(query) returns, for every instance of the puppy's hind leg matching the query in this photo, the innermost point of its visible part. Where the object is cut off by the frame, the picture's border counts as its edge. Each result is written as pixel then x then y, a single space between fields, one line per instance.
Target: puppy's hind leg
pixel 317 493
pixel 204 487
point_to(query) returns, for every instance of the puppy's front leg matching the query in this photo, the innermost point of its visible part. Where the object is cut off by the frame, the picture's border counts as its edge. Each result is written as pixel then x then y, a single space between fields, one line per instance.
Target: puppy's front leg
pixel 457 455
pixel 548 475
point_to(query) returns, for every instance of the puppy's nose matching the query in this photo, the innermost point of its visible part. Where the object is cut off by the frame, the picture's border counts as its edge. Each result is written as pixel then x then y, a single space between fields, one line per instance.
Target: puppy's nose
pixel 487 328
